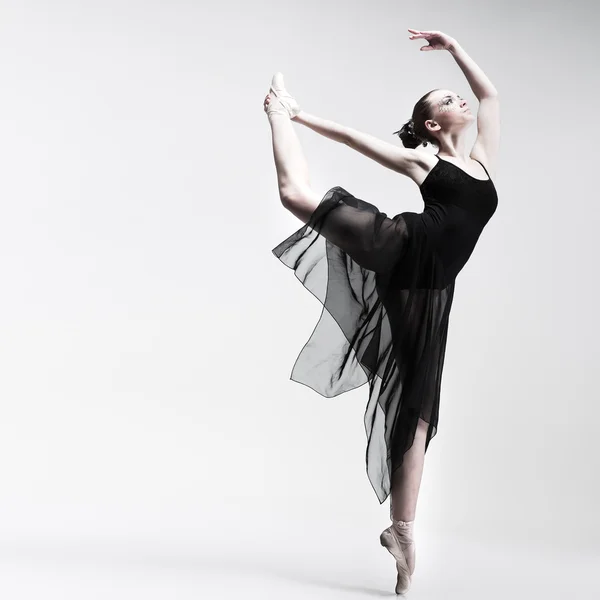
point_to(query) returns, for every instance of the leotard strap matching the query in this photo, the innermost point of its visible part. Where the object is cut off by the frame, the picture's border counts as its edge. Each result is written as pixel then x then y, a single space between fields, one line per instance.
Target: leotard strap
pixel 486 171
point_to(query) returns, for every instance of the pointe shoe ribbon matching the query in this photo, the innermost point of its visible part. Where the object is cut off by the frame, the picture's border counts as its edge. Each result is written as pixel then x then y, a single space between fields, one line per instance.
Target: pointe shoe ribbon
pixel 396 539
pixel 286 100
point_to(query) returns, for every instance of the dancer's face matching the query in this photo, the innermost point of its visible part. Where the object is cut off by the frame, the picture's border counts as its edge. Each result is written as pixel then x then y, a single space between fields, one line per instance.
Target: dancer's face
pixel 450 110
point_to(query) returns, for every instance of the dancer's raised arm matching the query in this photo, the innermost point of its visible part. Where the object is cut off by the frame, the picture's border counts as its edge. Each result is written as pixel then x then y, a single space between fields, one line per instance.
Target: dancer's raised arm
pixel 487 142
pixel 401 160
pixel 488 115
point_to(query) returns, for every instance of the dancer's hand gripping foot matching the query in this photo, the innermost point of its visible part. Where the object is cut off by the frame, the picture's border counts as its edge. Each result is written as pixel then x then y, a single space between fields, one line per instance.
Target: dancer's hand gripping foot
pixel 278 100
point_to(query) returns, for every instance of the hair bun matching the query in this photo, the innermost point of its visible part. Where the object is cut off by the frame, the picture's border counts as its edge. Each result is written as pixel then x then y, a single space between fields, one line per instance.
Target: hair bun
pixel 407 134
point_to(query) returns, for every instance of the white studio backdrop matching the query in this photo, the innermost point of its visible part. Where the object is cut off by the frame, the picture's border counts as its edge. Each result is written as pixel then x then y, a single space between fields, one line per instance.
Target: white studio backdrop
pixel 148 333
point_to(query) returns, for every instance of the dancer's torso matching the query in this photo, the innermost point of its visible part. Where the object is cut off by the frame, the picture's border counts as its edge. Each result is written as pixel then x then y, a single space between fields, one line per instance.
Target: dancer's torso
pixel 457 208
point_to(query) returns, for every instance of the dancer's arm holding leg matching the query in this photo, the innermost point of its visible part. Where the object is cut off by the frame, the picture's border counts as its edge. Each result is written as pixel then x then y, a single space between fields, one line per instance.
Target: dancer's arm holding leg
pixel 401 160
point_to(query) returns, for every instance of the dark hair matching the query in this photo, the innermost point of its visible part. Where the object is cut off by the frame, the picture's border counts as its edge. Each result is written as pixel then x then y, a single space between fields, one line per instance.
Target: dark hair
pixel 414 133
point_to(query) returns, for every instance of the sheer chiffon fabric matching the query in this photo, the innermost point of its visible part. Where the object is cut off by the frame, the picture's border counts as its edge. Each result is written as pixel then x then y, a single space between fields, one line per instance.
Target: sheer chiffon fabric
pixel 386 303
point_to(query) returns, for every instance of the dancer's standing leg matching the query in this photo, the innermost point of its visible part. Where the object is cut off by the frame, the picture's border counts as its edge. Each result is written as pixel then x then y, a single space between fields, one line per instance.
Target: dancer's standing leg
pixel 406 482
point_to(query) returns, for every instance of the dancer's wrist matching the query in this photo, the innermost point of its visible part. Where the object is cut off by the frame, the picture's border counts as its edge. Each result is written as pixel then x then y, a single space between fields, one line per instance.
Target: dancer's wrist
pixel 299 118
pixel 454 47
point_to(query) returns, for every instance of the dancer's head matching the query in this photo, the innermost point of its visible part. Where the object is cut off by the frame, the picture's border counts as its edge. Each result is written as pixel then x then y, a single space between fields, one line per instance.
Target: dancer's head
pixel 437 112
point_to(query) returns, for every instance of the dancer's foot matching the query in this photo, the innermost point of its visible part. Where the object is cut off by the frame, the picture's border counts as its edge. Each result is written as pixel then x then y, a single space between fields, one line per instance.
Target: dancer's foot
pixel 399 542
pixel 273 106
pixel 279 101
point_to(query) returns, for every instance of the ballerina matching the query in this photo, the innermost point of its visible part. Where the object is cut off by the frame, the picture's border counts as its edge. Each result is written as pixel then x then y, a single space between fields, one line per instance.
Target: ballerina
pixel 387 284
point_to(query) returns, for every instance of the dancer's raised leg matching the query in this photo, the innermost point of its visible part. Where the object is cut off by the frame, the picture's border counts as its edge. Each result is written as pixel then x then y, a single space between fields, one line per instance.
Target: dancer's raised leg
pixel 290 163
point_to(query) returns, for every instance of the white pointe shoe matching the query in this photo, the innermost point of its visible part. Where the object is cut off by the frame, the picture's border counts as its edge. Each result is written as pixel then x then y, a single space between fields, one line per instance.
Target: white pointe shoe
pixel 285 104
pixel 397 539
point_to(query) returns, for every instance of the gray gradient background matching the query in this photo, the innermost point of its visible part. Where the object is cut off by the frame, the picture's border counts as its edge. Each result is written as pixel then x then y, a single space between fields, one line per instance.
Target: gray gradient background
pixel 150 434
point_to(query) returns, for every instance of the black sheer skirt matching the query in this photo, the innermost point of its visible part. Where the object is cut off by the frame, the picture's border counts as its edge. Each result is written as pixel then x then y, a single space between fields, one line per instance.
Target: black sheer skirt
pixel 386 306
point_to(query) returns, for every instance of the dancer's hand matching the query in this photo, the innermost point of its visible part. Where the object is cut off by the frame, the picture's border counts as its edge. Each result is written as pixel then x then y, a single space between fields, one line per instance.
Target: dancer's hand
pixel 437 40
